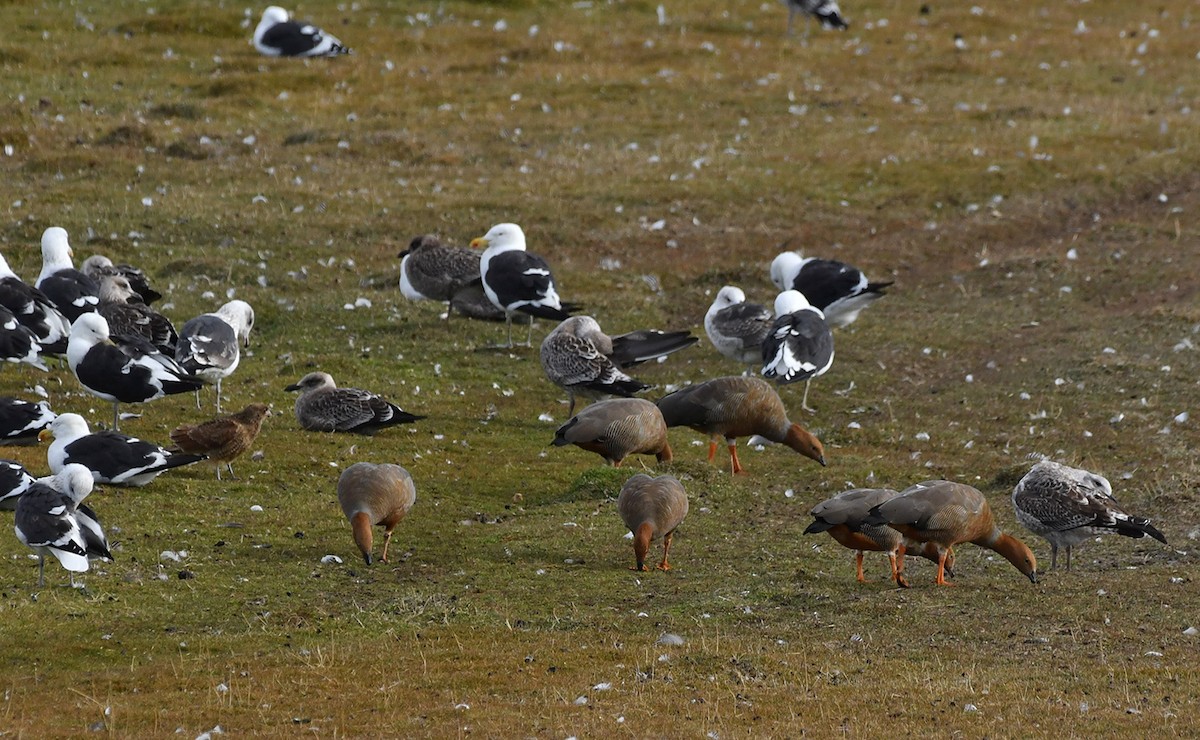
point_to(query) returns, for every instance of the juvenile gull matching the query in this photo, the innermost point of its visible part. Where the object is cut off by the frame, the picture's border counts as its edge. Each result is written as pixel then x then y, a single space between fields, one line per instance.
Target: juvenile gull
pixel 616 428
pixel 575 357
pixel 209 345
pixel 372 495
pixel 652 508
pixel 516 280
pixel 111 456
pixel 737 328
pixel 223 439
pixel 98 265
pixel 126 315
pixel 123 369
pixel 839 290
pixel 72 292
pixel 323 407
pixel 431 270
pixel 733 407
pixel 277 35
pixel 799 345
pixel 20 420
pixel 1066 506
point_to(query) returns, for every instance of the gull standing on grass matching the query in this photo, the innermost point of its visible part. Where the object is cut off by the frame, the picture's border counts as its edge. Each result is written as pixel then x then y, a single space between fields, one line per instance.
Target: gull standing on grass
pixel 209 345
pixel 737 328
pixel 51 518
pixel 72 292
pixel 799 345
pixel 516 280
pixel 123 369
pixel 34 310
pixel 324 407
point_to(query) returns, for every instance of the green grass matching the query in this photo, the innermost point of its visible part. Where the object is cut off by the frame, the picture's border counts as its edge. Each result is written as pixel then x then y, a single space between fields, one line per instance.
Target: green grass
pixel 883 146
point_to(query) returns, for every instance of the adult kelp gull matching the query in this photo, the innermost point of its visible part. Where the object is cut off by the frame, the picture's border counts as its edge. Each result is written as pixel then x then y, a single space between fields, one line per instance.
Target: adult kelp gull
pixel 123 369
pixel 838 289
pixel 516 280
pixel 51 518
pixel 34 310
pixel 21 420
pixel 323 407
pixel 112 457
pixel 15 480
pixel 72 292
pixel 210 344
pixel 277 35
pixel 799 345
pixel 18 343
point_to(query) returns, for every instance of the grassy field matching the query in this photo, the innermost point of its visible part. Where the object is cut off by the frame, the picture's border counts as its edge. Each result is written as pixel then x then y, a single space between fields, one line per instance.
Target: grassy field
pixel 1034 196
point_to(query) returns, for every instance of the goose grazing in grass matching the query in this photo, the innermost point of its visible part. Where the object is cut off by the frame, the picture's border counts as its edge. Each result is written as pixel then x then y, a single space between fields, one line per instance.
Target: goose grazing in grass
pixel 324 407
pixel 210 345
pixel 799 345
pixel 839 290
pixel 277 35
pixel 516 280
pixel 123 369
pixel 616 428
pixel 737 328
pixel 21 421
pixel 223 439
pixel 51 519
pixel 946 513
pixel 34 310
pixel 373 495
pixel 1066 506
pixel 842 517
pixel 652 508
pixel 826 12
pixel 111 456
pixel 72 292
pixel 735 407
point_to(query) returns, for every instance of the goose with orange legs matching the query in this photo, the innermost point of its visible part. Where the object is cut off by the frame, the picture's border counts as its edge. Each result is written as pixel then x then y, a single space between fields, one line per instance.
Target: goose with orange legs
pixel 946 513
pixel 652 508
pixel 372 495
pixel 735 407
pixel 842 517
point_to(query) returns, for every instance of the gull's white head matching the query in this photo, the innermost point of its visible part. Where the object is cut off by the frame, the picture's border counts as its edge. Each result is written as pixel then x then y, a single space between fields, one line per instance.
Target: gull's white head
pixel 784 268
pixel 790 301
pixel 55 247
pixel 240 316
pixel 728 296
pixel 68 427
pixel 90 326
pixel 502 238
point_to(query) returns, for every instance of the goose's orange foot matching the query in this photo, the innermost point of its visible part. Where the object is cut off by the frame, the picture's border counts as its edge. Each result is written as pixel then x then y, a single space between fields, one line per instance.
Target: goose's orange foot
pixel 664 565
pixel 640 568
pixel 901 581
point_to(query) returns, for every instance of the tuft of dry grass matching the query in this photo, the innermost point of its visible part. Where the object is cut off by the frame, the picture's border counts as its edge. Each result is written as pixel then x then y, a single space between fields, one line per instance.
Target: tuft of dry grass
pixel 1033 196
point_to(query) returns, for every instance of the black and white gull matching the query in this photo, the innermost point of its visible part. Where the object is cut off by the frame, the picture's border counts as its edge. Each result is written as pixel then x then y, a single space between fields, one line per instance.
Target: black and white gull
pixel 277 35
pixel 799 345
pixel 72 292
